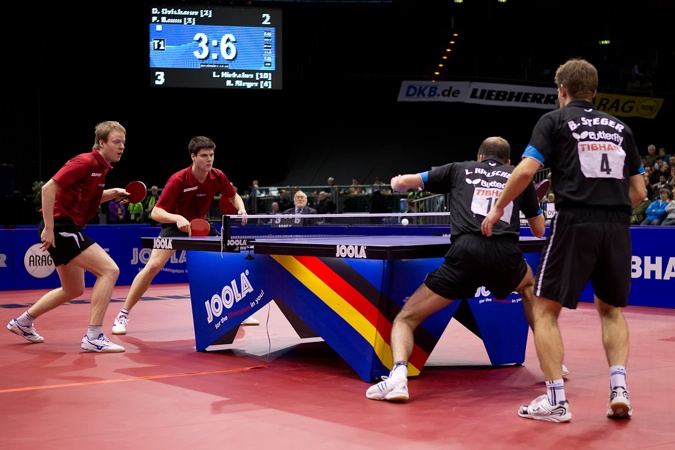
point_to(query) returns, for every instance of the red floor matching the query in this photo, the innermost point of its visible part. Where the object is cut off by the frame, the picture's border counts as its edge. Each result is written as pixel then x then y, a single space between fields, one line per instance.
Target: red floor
pixel 270 390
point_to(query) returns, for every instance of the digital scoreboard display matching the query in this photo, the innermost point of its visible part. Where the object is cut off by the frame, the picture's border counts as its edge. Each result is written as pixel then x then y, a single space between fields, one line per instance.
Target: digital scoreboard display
pixel 215 47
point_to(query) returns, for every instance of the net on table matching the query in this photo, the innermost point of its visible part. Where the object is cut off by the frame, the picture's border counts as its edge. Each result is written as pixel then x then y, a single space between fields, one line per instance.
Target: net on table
pixel 280 226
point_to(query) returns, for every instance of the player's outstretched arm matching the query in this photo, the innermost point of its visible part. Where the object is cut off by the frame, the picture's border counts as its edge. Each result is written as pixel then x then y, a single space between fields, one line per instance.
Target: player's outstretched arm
pixel 402 183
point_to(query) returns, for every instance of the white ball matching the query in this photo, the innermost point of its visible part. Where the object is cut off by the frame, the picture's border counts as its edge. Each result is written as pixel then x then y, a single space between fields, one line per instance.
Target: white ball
pixel 404 222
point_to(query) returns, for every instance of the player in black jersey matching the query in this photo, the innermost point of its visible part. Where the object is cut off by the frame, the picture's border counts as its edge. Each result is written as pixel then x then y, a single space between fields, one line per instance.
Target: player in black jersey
pixel 596 176
pixel 473 260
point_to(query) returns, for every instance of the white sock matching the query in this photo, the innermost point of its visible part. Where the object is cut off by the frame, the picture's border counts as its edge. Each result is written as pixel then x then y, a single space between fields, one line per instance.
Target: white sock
pixel 617 376
pixel 25 319
pixel 94 331
pixel 555 390
pixel 400 369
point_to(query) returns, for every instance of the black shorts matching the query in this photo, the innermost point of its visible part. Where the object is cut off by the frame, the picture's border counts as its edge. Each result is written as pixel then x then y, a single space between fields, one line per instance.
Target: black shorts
pixel 171 230
pixel 474 261
pixel 69 240
pixel 586 245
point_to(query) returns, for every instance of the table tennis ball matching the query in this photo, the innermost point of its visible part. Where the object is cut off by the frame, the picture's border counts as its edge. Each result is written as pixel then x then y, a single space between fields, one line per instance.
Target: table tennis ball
pixel 404 222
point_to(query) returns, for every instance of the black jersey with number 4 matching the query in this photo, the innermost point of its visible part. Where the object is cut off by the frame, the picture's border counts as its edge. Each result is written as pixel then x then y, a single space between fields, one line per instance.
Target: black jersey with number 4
pixel 591 154
pixel 474 187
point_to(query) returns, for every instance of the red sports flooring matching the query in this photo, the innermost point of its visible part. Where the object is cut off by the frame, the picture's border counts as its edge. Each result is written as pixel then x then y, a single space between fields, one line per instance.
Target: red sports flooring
pixel 269 389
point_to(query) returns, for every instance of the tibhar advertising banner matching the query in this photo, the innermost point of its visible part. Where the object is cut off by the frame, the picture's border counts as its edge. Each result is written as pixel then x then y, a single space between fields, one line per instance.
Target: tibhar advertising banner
pixel 519 96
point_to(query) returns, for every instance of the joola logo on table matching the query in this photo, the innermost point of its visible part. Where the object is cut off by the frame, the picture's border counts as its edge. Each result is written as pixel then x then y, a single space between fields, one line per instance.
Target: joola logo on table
pixel 163 244
pixel 350 251
pixel 230 295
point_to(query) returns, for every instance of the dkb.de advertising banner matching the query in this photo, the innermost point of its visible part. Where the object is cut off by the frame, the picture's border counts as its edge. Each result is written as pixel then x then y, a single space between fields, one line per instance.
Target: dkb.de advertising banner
pixel 27 267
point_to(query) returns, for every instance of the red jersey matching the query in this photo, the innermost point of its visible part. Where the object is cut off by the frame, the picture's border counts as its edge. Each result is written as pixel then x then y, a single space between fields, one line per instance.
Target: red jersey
pixel 82 181
pixel 183 194
pixel 226 206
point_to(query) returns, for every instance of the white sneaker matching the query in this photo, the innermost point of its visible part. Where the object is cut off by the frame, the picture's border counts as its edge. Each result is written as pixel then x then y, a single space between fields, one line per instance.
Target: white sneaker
pixel 28 333
pixel 541 409
pixel 390 389
pixel 565 372
pixel 101 345
pixel 619 404
pixel 250 321
pixel 120 324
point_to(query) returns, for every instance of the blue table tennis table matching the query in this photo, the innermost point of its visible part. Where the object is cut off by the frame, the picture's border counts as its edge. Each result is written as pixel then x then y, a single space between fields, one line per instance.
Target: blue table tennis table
pixel 345 289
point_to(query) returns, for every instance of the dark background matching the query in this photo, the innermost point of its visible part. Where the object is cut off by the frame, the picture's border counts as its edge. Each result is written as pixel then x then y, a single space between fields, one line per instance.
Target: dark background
pixel 66 68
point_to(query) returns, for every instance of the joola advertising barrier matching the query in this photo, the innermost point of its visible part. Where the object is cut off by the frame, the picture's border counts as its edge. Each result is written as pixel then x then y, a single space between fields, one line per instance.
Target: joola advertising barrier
pixel 23 265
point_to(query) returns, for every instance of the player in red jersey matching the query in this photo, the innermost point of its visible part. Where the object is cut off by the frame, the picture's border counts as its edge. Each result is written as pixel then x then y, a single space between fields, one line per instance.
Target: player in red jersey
pixel 70 199
pixel 187 195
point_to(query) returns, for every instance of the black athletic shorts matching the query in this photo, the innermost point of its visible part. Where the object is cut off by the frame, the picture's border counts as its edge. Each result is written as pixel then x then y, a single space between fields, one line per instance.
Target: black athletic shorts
pixel 582 245
pixel 69 240
pixel 171 230
pixel 474 261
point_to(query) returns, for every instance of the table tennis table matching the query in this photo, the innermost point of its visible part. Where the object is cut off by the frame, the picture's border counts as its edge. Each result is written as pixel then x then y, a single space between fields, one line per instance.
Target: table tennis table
pixel 345 289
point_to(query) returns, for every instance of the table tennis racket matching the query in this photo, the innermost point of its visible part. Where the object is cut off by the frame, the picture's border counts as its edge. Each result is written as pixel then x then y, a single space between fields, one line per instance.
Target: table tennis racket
pixel 199 227
pixel 137 191
pixel 542 188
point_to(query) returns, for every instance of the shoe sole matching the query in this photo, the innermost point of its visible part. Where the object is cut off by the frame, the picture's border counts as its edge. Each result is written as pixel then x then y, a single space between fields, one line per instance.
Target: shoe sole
pixel 118 333
pixel 105 350
pixel 555 419
pixel 619 411
pixel 396 399
pixel 12 330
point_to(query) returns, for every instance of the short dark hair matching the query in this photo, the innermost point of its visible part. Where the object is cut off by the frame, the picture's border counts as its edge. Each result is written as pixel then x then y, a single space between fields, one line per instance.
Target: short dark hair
pixel 495 146
pixel 199 142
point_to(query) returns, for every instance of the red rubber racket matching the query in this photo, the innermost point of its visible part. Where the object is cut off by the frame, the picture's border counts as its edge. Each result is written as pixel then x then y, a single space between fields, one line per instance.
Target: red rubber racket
pixel 137 192
pixel 542 188
pixel 199 227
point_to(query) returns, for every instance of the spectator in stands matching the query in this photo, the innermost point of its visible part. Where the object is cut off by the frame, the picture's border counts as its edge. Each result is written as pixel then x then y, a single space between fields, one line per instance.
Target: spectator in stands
pixel 662 155
pixel 378 185
pixel 651 155
pixel 670 215
pixel 300 202
pixel 283 200
pixel 651 192
pixel 661 184
pixel 656 211
pixel 135 211
pixel 670 180
pixel 117 211
pixel 652 175
pixel 637 215
pixel 149 203
pixel 274 208
pixel 332 189
pixel 633 84
pixel 251 201
pixel 647 86
pixel 355 188
pixel 324 204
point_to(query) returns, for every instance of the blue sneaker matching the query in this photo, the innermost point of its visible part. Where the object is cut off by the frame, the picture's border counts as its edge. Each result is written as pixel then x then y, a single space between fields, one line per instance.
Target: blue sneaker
pixel 101 345
pixel 28 333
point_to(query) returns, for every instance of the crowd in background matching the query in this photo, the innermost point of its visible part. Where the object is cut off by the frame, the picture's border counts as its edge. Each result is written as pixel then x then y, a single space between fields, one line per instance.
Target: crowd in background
pixel 658 207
